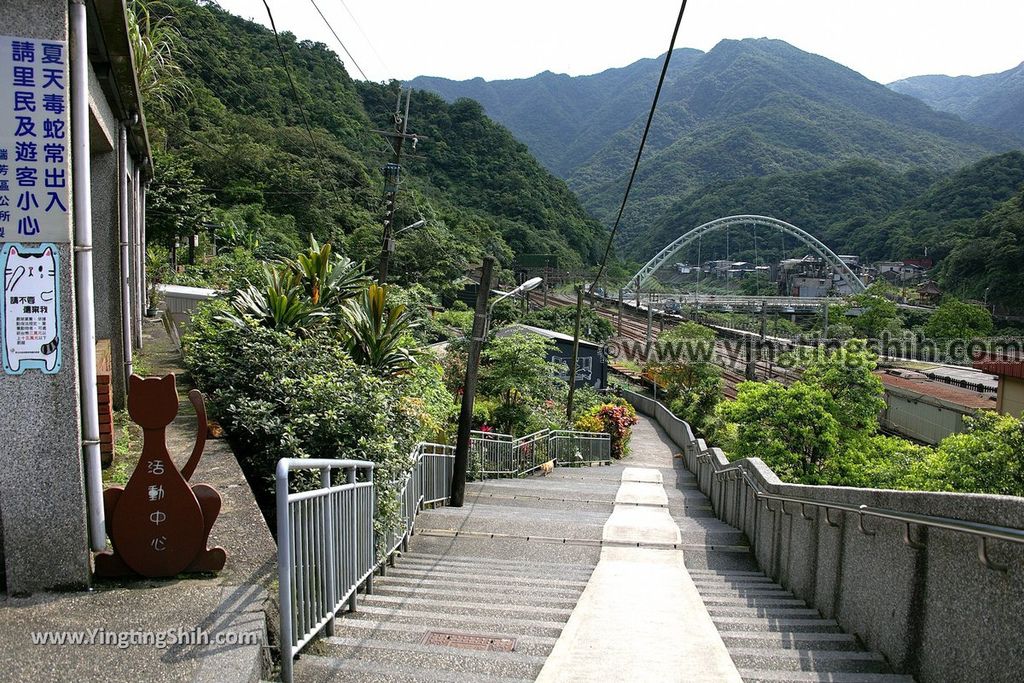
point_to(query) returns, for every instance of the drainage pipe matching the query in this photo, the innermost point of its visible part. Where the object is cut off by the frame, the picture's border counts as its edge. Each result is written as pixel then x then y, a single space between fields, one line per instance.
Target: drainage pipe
pixel 122 222
pixel 137 281
pixel 84 297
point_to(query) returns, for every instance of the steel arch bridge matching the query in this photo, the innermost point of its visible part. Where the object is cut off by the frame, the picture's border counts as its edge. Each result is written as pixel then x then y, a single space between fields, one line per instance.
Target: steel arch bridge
pixel 819 248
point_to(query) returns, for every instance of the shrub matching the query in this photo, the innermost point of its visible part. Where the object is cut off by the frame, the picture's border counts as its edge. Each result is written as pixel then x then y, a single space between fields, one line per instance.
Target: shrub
pixel 616 419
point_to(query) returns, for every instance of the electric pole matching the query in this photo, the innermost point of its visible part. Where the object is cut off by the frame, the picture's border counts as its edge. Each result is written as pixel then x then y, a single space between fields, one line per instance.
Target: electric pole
pixel 575 353
pixel 392 172
pixel 476 341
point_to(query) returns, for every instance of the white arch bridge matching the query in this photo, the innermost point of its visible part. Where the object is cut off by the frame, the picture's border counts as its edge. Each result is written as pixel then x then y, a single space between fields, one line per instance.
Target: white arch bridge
pixel 664 256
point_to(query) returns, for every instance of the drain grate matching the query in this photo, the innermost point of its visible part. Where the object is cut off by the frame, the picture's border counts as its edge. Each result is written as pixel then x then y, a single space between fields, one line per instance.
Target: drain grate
pixel 467 641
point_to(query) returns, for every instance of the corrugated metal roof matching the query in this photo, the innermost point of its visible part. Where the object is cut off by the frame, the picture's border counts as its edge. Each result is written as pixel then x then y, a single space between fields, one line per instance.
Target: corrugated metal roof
pixel 941 391
pixel 1003 368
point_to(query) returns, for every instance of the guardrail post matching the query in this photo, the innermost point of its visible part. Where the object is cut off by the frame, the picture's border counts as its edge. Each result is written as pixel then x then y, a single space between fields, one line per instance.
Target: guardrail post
pixel 353 545
pixel 331 561
pixel 284 571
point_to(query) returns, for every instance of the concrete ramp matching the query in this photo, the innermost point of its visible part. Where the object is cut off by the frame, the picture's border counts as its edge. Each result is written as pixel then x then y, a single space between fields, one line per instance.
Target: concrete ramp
pixel 640 616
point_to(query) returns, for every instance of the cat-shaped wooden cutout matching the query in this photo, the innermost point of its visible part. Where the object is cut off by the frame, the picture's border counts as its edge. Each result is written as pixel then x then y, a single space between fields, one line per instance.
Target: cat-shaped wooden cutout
pixel 158 523
pixel 30 309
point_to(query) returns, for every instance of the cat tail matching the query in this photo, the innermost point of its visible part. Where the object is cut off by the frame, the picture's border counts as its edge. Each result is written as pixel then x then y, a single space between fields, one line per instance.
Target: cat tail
pixel 196 397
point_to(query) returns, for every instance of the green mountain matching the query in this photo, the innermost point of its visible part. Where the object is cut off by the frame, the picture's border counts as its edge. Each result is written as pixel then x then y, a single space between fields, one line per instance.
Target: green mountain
pixel 749 108
pixel 994 100
pixel 858 207
pixel 239 141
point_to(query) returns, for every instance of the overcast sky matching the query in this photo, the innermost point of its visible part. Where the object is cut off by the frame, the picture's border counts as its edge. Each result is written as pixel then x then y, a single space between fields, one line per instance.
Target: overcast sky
pixel 883 39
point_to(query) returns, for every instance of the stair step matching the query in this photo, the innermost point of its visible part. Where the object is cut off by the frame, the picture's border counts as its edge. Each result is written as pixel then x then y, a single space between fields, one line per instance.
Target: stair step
pixel 725 572
pixel 789 640
pixel 776 625
pixel 783 600
pixel 760 676
pixel 496 561
pixel 763 612
pixel 752 582
pixel 484 579
pixel 440 605
pixel 546 569
pixel 808 660
pixel 523 596
pixel 414 633
pixel 473 570
pixel 714 591
pixel 491 663
pixel 316 669
pixel 468 622
pixel 555 592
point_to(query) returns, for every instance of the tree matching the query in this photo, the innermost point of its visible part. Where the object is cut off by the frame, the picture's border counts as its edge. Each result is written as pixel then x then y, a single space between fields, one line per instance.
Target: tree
pixel 955 319
pixel 787 427
pixel 854 391
pixel 875 313
pixel 563 319
pixel 177 205
pixel 516 371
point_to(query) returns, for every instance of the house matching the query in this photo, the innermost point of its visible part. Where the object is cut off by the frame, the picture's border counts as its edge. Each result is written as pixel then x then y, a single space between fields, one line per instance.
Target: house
pixel 929 292
pixel 73 133
pixel 591 361
pixel 1010 394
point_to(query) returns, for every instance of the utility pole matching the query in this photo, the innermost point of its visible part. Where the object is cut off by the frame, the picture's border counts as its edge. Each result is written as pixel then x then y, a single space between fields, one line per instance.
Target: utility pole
pixel 620 310
pixel 575 353
pixel 392 172
pixel 824 332
pixel 476 341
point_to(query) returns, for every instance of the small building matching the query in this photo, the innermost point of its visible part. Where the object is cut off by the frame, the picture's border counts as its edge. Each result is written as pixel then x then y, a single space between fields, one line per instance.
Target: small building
pixel 591 361
pixel 74 137
pixel 810 287
pixel 1010 394
pixel 929 292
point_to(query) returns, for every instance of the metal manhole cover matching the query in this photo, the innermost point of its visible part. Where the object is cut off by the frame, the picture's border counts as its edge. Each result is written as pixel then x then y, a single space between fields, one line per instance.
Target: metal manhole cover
pixel 467 641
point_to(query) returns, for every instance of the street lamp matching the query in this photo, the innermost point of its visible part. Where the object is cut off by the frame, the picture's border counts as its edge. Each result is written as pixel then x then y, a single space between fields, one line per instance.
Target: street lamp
pixel 529 285
pixel 481 324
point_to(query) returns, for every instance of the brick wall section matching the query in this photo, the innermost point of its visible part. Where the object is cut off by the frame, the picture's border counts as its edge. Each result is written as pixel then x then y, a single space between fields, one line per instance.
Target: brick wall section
pixel 106 419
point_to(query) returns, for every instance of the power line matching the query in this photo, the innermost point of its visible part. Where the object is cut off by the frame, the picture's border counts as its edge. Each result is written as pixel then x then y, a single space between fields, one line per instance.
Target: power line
pixel 291 82
pixel 365 37
pixel 336 37
pixel 640 151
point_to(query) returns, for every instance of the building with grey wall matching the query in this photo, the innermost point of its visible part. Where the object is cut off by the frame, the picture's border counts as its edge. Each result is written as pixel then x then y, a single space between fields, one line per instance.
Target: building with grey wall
pixel 73 131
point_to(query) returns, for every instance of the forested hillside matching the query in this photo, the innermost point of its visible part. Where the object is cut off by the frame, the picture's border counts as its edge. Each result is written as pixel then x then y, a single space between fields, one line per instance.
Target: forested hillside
pixel 995 100
pixel 235 150
pixel 746 109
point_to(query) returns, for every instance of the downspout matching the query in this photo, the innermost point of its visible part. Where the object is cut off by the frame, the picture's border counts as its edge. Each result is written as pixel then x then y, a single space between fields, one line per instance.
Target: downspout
pixel 142 213
pixel 84 298
pixel 122 221
pixel 140 295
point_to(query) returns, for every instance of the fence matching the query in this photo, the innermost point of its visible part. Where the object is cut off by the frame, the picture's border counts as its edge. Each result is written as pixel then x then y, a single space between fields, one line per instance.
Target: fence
pixel 501 455
pixel 891 567
pixel 326 546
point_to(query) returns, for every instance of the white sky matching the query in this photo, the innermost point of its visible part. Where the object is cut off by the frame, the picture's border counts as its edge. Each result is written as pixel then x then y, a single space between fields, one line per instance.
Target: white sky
pixel 883 39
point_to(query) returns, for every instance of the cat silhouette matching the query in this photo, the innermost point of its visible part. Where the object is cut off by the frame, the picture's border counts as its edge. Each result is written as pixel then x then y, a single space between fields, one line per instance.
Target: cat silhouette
pixel 158 524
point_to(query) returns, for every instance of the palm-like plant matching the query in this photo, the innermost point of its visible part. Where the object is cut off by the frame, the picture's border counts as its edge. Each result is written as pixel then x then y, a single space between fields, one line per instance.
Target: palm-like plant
pixel 280 304
pixel 328 279
pixel 375 333
pixel 157 48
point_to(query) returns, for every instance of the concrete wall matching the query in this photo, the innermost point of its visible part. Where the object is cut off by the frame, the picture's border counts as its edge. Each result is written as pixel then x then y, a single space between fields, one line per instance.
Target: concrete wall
pixel 1011 396
pixel 918 419
pixel 42 495
pixel 935 611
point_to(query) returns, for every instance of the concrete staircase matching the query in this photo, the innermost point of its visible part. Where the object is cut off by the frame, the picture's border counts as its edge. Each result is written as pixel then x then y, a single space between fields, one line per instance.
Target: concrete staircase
pixel 773 636
pixel 446 617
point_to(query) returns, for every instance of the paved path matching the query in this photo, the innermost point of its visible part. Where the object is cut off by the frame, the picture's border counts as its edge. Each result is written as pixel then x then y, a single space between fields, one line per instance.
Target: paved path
pixel 638 600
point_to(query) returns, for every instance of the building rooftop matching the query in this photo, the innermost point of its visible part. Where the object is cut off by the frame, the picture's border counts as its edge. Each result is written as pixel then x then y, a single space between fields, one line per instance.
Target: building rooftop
pixel 940 391
pixel 550 334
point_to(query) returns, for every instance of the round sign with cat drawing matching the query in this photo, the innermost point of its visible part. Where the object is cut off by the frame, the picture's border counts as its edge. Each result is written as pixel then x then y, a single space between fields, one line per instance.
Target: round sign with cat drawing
pixel 30 313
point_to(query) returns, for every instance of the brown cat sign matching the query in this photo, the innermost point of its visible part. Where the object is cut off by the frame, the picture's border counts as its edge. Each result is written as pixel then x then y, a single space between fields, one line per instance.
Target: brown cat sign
pixel 158 523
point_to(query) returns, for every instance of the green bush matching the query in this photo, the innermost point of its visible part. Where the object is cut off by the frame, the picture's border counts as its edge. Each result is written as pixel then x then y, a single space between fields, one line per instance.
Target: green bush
pixel 615 418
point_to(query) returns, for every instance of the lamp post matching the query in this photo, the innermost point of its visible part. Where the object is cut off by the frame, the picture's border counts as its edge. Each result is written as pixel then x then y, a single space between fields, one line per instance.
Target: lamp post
pixel 481 325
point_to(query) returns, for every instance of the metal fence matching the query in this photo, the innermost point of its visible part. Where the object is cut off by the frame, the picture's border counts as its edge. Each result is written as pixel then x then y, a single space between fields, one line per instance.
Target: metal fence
pixel 568 448
pixel 325 546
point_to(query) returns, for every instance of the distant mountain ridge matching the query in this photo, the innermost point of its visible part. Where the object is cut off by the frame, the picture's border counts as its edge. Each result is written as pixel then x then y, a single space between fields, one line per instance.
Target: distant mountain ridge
pixel 995 100
pixel 746 108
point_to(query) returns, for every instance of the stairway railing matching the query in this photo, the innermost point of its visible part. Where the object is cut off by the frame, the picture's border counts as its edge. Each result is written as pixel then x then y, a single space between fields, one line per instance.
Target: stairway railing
pixel 326 544
pixel 886 579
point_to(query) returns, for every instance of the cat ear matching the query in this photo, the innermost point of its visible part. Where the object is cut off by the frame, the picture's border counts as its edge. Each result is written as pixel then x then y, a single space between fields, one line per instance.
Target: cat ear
pixel 168 379
pixel 13 251
pixel 133 382
pixel 48 253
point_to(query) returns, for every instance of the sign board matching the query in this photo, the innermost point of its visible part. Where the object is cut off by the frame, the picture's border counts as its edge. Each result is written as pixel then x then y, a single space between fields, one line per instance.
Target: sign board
pixel 30 314
pixel 35 137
